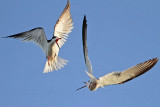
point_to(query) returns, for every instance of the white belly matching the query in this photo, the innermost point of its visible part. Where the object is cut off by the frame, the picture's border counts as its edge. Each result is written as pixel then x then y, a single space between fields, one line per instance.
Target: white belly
pixel 55 50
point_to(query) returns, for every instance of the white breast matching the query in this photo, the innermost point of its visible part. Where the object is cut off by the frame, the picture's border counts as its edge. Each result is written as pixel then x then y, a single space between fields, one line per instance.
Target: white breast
pixel 55 50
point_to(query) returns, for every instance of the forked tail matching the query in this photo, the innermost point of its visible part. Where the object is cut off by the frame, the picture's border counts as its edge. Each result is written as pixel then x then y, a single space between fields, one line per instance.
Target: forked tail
pixel 54 65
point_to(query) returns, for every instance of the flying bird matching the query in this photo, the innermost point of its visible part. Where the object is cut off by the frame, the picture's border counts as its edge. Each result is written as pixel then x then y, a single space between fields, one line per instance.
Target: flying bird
pixel 50 47
pixel 113 77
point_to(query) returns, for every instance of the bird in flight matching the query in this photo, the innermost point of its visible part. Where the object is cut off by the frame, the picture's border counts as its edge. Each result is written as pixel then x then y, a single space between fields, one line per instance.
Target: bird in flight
pixel 51 47
pixel 113 77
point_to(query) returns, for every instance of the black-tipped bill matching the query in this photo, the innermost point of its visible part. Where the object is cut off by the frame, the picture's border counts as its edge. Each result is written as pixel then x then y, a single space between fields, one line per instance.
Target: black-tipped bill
pixel 81 88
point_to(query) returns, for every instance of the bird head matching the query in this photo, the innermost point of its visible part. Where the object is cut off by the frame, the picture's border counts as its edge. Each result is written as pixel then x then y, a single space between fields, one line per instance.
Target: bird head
pixel 57 39
pixel 92 84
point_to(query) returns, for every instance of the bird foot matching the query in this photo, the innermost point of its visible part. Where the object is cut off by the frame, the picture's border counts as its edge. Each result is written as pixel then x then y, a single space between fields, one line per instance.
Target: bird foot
pixel 49 60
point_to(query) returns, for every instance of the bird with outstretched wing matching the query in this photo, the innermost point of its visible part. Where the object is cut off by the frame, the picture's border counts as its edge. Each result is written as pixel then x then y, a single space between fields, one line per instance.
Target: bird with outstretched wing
pixel 51 47
pixel 113 77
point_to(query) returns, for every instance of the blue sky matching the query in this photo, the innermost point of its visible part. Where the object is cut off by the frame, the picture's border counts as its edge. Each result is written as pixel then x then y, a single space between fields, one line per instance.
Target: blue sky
pixel 121 34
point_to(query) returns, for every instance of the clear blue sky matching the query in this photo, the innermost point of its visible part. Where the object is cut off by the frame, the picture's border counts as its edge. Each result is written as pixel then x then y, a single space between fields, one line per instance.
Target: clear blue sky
pixel 121 34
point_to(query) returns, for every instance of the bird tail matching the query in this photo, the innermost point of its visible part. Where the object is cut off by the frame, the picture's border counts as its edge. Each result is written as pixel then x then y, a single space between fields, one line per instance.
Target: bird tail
pixel 54 65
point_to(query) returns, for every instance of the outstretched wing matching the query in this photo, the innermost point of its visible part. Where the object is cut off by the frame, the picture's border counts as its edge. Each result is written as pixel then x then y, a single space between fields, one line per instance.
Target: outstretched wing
pixel 85 51
pixel 64 25
pixel 36 35
pixel 127 75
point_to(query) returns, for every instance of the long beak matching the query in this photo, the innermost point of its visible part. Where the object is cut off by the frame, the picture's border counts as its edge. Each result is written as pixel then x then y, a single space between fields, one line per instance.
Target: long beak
pixel 81 88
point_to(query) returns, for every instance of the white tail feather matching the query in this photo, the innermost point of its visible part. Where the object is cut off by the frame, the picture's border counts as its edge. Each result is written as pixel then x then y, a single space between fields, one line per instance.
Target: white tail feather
pixel 54 65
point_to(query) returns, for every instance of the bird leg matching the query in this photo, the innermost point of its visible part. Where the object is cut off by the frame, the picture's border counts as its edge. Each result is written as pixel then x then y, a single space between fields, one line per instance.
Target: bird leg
pixel 50 58
pixel 48 62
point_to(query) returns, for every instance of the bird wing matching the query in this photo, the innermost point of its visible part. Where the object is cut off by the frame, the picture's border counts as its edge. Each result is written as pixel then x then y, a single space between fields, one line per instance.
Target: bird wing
pixel 64 25
pixel 85 51
pixel 36 35
pixel 127 75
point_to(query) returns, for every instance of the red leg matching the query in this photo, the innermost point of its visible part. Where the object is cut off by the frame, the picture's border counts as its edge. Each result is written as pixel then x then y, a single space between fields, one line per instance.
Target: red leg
pixel 48 61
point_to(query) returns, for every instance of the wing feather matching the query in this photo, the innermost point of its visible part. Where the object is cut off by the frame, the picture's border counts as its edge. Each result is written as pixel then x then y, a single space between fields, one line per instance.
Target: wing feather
pixel 85 51
pixel 129 74
pixel 36 35
pixel 64 25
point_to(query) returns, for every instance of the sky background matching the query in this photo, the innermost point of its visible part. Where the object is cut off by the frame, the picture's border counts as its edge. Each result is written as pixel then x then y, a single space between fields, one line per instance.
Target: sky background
pixel 121 34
